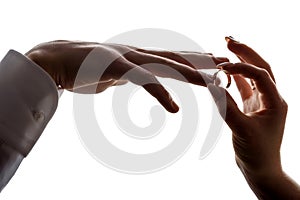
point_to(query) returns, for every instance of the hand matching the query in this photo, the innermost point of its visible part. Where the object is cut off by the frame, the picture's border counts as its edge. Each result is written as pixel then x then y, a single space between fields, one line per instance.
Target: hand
pixel 257 131
pixel 63 59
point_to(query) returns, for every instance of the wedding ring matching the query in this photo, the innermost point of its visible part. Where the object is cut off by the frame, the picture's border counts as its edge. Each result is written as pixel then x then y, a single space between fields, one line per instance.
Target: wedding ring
pixel 218 80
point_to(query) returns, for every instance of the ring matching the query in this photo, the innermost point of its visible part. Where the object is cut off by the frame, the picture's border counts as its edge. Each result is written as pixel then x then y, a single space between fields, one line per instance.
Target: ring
pixel 216 80
pixel 252 84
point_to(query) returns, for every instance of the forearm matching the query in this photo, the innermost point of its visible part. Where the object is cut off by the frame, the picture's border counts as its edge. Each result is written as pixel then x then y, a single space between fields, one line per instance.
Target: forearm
pixel 272 185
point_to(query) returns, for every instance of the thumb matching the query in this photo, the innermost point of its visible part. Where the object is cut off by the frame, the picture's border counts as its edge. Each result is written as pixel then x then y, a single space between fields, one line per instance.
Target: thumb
pixel 227 107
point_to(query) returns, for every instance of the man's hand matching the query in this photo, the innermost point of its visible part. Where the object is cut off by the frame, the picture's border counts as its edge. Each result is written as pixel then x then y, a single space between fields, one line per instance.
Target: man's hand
pixel 63 59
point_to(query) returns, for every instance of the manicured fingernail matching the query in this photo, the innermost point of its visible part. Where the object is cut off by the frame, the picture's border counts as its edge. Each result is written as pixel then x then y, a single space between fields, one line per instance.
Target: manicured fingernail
pixel 230 38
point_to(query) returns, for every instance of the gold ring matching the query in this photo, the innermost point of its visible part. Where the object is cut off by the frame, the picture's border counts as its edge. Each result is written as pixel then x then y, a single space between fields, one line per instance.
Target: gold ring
pixel 216 79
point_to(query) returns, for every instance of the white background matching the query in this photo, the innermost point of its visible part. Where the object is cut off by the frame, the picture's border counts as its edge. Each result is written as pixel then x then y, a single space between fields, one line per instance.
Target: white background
pixel 59 167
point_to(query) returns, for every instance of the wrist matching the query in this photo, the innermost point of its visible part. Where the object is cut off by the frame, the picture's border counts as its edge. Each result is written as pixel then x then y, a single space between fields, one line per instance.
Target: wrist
pixel 275 185
pixel 260 167
pixel 260 175
pixel 37 59
pixel 261 172
pixel 270 182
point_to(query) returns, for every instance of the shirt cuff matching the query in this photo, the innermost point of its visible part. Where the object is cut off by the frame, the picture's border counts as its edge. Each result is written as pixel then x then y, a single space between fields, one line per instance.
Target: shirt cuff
pixel 29 98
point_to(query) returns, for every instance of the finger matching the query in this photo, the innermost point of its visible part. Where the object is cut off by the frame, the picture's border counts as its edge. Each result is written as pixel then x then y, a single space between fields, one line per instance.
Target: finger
pixel 148 81
pixel 243 87
pixel 263 82
pixel 219 60
pixel 198 55
pixel 241 59
pixel 227 108
pixel 194 52
pixel 167 68
pixel 248 55
pixel 93 88
pixel 195 60
pixel 99 87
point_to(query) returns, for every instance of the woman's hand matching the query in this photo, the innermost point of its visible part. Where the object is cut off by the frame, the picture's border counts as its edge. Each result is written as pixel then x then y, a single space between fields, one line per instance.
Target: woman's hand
pixel 257 131
pixel 63 59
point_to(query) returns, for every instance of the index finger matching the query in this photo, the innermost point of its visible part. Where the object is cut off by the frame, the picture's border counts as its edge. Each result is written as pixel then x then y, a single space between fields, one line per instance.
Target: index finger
pixel 248 55
pixel 167 68
pixel 196 60
pixel 264 83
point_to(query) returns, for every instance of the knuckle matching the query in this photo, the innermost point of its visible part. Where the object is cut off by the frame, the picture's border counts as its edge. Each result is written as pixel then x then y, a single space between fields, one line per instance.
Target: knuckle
pixel 265 65
pixel 148 78
pixel 152 79
pixel 35 55
pixel 263 73
pixel 195 74
pixel 284 105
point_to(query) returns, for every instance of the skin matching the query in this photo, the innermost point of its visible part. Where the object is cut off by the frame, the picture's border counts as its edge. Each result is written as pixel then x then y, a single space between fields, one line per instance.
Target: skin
pixel 257 131
pixel 63 59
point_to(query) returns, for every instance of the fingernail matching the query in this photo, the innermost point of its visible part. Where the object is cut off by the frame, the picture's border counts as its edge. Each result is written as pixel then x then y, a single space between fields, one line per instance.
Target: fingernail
pixel 230 38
